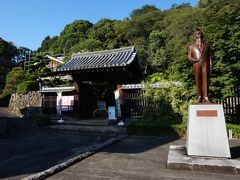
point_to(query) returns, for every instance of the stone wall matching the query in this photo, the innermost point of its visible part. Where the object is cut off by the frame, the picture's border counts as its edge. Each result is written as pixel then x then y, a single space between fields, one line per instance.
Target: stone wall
pixel 25 104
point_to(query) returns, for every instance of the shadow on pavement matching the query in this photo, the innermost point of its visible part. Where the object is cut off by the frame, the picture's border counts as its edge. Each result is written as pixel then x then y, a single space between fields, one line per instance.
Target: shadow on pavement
pixel 27 149
pixel 235 152
pixel 139 144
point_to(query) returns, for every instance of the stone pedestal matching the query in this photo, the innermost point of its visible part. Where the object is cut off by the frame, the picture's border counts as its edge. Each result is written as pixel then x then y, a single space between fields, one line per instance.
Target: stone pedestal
pixel 179 160
pixel 206 132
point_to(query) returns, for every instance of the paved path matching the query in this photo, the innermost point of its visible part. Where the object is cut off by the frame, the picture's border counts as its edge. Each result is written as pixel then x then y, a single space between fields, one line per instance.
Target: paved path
pixel 98 126
pixel 4 112
pixel 139 158
pixel 27 149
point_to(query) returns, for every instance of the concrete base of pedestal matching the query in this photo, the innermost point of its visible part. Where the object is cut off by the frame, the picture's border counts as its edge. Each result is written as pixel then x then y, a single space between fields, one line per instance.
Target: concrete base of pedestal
pixel 207 133
pixel 179 160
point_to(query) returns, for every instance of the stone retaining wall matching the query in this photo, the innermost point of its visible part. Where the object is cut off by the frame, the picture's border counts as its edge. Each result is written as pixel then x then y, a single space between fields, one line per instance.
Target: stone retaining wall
pixel 25 104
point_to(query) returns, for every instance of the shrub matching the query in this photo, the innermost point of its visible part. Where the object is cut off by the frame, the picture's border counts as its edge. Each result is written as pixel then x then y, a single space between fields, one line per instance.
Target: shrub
pixel 31 77
pixel 178 130
pixel 45 72
pixel 13 78
pixel 166 113
pixel 168 103
pixel 26 86
pixel 235 130
pixel 41 119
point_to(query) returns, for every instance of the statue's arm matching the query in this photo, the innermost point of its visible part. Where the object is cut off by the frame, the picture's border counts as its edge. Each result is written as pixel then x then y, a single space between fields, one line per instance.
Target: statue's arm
pixel 190 56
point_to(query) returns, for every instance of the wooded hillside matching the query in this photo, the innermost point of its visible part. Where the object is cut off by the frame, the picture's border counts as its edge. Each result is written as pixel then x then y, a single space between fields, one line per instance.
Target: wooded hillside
pixel 161 39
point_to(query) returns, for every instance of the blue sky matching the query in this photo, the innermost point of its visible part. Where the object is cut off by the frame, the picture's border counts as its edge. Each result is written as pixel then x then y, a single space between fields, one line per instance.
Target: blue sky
pixel 27 22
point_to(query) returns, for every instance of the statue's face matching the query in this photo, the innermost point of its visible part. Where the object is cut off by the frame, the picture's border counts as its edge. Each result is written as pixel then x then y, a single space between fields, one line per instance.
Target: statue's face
pixel 198 35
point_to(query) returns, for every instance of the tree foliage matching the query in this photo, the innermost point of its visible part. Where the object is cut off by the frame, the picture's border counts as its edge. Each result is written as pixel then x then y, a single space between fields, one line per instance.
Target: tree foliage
pixel 13 78
pixel 161 39
pixel 19 81
pixel 7 52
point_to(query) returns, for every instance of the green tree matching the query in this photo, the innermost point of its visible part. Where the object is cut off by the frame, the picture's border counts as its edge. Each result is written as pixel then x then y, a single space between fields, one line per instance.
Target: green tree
pixel 7 52
pixel 104 31
pixel 47 43
pixel 138 28
pixel 157 55
pixel 161 39
pixel 224 37
pixel 13 78
pixel 72 35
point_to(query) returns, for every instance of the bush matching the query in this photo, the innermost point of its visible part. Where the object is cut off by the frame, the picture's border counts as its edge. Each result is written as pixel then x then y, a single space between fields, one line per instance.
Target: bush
pixel 166 113
pixel 41 119
pixel 13 78
pixel 142 127
pixel 26 86
pixel 160 113
pixel 139 129
pixel 235 130
pixel 168 103
pixel 45 71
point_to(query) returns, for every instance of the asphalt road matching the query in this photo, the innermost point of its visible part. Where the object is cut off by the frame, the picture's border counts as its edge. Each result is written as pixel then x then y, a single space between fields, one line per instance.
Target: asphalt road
pixel 26 149
pixel 138 158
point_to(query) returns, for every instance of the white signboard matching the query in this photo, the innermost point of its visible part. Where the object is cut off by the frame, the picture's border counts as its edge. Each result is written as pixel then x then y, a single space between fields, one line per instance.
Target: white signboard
pixel 59 103
pixel 67 103
pixel 111 113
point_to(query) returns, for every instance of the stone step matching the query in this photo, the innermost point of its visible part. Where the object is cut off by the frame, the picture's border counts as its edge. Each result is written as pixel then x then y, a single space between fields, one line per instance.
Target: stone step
pixel 81 122
pixel 88 130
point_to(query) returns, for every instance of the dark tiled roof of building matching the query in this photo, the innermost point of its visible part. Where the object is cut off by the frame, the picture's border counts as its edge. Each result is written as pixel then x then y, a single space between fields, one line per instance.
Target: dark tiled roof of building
pixel 100 59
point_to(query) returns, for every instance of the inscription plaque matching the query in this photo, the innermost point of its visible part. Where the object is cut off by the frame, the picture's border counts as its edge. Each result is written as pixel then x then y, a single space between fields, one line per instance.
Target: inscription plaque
pixel 207 113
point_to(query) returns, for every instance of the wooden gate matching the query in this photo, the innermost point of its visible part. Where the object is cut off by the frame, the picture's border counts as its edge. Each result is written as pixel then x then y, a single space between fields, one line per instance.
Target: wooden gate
pixel 134 103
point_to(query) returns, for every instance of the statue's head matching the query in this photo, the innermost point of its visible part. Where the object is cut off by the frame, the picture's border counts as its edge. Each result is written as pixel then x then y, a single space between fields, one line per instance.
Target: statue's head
pixel 199 34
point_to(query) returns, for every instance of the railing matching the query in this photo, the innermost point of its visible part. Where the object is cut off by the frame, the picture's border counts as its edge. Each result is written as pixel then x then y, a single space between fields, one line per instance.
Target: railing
pixel 231 104
pixel 135 102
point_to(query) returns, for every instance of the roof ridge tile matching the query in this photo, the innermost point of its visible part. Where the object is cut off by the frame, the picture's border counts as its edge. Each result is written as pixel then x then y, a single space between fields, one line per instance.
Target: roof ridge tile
pixel 99 53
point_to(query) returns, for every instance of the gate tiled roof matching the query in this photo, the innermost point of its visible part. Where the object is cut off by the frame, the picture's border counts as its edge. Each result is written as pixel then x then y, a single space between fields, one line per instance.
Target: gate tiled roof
pixel 57 89
pixel 100 59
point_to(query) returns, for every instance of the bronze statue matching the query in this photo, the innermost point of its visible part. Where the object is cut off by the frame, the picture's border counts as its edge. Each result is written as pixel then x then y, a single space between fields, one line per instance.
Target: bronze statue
pixel 199 54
